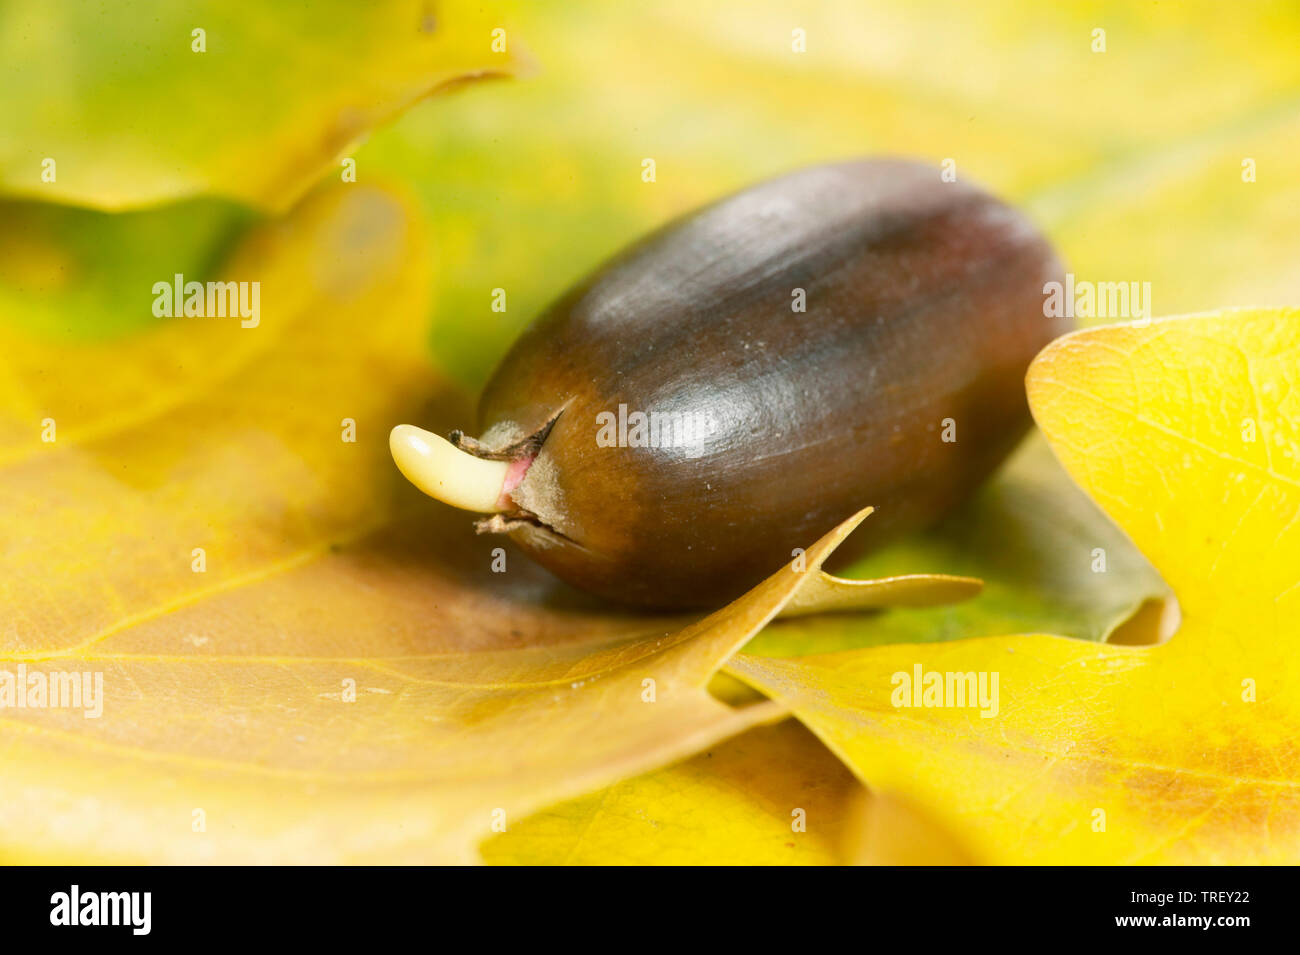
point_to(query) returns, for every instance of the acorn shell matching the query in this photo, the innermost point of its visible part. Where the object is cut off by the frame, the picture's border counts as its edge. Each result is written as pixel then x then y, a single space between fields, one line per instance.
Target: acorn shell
pixel 924 302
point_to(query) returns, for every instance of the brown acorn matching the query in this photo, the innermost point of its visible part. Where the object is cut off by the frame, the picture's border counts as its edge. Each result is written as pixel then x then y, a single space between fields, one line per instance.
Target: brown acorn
pixel 742 380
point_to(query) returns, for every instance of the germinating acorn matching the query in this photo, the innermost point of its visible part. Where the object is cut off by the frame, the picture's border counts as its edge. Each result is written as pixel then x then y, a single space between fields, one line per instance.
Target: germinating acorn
pixel 736 384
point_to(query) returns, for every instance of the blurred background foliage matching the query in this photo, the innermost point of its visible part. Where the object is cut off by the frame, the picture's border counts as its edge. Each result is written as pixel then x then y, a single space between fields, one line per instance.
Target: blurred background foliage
pixel 1130 158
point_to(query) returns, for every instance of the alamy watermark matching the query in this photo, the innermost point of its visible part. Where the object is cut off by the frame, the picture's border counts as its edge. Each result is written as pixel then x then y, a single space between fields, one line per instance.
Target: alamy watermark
pixel 59 689
pixel 130 909
pixel 208 300
pixel 652 429
pixel 1084 299
pixel 936 688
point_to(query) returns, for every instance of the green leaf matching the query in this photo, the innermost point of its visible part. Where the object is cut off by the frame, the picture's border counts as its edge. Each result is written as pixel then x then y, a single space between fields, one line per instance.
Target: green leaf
pixel 1050 560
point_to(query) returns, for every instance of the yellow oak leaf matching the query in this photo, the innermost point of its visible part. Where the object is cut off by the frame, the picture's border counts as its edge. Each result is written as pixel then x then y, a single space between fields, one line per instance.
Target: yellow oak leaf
pixel 1187 432
pixel 886 829
pixel 773 795
pixel 231 632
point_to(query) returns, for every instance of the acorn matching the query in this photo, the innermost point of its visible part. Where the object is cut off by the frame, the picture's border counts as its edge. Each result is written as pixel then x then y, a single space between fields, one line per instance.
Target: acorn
pixel 730 388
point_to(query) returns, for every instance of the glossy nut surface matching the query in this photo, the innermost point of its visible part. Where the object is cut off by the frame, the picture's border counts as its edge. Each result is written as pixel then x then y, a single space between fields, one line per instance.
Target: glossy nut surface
pixel 923 302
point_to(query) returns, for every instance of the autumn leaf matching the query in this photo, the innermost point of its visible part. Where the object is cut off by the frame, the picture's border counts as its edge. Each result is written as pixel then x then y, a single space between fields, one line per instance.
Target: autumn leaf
pixel 200 533
pixel 287 654
pixel 770 796
pixel 773 795
pixel 1046 555
pixel 319 566
pixel 137 102
pixel 886 829
pixel 1187 432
